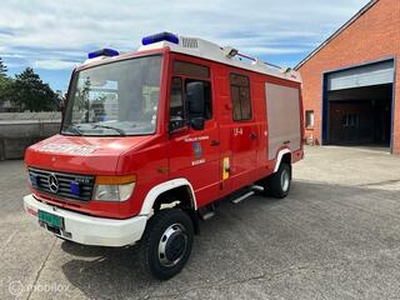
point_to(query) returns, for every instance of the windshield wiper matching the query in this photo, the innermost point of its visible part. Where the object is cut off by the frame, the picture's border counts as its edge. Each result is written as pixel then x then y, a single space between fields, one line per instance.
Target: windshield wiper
pixel 74 129
pixel 120 131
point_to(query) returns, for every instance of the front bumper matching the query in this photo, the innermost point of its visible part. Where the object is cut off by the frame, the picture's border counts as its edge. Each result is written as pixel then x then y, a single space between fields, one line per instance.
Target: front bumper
pixel 90 230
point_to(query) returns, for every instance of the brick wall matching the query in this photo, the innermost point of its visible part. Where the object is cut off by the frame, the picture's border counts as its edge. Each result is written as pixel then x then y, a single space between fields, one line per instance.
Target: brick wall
pixel 375 35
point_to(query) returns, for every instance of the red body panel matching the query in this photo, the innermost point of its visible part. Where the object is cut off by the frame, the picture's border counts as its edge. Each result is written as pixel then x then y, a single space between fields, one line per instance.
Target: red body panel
pixel 157 158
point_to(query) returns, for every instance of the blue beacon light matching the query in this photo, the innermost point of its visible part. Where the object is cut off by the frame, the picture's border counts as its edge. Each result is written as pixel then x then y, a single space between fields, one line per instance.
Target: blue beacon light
pixel 159 37
pixel 103 52
pixel 75 188
pixel 34 180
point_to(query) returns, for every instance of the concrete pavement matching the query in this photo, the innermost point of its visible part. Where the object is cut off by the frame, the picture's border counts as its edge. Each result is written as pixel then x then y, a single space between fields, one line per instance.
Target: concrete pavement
pixel 336 236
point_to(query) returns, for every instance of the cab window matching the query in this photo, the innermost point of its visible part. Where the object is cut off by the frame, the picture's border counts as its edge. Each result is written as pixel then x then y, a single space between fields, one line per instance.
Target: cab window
pixel 176 100
pixel 185 73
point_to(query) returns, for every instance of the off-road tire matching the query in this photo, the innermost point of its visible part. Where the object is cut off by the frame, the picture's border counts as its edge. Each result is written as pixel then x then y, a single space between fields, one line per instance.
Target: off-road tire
pixel 278 184
pixel 273 184
pixel 161 226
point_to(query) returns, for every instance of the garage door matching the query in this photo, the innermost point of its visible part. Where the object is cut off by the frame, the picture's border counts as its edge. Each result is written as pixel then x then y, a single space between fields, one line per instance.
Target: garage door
pixel 373 74
pixel 357 104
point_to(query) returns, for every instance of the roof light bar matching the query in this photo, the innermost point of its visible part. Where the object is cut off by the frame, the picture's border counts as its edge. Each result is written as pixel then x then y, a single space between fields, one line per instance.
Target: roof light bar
pixel 103 52
pixel 159 37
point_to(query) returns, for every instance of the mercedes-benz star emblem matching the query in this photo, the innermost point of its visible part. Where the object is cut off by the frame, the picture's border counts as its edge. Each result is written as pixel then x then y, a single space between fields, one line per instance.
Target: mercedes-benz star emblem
pixel 53 183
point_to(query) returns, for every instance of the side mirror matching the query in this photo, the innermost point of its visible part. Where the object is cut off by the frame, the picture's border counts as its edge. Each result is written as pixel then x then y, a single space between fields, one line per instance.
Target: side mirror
pixel 197 123
pixel 61 104
pixel 195 98
pixel 62 108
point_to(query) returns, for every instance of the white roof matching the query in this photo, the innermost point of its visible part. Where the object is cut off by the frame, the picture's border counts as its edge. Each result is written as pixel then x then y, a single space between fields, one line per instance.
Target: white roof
pixel 208 50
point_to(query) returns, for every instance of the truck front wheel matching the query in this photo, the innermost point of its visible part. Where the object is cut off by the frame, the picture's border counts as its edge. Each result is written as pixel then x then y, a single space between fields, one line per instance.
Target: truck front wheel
pixel 167 243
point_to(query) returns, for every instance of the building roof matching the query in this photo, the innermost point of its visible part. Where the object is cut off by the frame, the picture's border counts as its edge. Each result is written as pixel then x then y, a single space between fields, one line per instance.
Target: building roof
pixel 337 32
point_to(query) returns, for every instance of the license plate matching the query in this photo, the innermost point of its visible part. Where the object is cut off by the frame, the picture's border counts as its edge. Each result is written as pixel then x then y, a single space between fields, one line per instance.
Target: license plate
pixel 50 219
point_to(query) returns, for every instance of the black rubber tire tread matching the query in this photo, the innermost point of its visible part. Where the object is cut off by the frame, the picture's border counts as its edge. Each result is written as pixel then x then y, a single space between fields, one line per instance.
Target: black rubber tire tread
pixel 274 187
pixel 151 237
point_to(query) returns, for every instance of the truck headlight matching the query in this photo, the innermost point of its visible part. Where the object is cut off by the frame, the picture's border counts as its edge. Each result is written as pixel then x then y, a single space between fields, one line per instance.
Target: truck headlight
pixel 114 188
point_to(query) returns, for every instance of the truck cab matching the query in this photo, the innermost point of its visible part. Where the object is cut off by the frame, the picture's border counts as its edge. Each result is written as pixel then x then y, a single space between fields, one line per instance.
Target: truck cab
pixel 151 140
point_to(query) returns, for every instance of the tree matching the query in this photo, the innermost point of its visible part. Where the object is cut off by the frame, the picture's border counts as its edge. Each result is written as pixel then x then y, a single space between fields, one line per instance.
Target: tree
pixel 5 83
pixel 82 95
pixel 5 88
pixel 3 69
pixel 29 92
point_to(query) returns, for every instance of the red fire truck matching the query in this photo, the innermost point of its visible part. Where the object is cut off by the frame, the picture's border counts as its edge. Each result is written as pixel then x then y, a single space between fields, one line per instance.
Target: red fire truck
pixel 151 140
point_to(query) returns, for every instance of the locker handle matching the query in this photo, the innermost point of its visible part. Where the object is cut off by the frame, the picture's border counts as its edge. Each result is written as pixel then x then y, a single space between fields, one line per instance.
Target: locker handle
pixel 215 143
pixel 253 136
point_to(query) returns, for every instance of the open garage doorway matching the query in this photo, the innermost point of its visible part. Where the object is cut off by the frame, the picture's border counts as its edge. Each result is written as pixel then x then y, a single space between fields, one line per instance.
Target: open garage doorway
pixel 361 116
pixel 358 106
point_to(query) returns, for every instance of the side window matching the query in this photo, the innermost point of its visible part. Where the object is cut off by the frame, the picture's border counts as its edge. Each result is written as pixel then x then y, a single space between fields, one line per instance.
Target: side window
pixel 240 96
pixel 350 121
pixel 309 118
pixel 176 100
pixel 185 73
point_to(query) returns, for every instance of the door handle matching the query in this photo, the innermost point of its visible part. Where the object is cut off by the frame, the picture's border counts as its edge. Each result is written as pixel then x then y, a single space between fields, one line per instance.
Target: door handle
pixel 253 136
pixel 215 143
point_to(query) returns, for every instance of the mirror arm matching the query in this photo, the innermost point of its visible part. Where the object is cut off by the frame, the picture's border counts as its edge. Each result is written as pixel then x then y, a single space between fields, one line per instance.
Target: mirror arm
pixel 179 130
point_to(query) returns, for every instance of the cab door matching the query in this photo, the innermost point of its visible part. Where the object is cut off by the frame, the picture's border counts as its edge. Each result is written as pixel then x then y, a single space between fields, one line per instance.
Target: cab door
pixel 194 135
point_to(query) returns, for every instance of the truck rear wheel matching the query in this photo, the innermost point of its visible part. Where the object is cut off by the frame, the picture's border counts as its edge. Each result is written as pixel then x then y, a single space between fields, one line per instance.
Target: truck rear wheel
pixel 167 243
pixel 278 184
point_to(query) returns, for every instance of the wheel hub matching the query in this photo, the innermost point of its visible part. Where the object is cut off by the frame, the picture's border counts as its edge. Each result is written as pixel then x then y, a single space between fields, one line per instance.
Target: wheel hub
pixel 173 245
pixel 285 180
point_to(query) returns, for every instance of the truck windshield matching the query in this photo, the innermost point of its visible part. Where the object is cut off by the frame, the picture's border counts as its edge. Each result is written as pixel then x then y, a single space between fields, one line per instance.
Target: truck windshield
pixel 119 98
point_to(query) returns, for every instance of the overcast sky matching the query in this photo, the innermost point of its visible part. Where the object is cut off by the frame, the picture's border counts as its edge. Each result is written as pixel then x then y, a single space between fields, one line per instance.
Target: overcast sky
pixel 54 36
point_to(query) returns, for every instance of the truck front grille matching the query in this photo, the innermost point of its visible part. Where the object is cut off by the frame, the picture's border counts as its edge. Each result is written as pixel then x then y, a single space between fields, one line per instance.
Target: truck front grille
pixel 63 185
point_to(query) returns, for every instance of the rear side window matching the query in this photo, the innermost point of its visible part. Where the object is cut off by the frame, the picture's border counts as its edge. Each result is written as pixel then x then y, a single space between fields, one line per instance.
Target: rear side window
pixel 240 97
